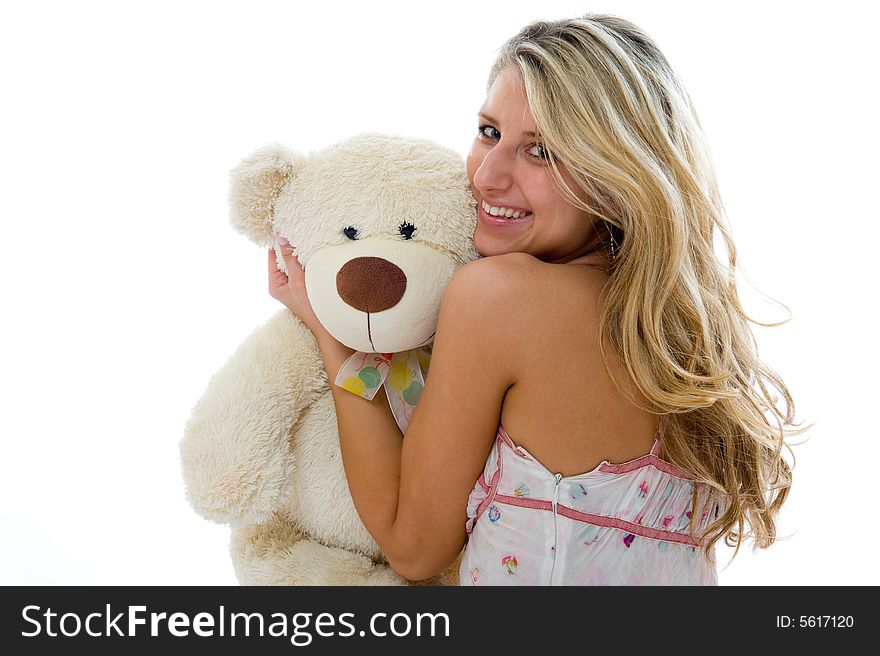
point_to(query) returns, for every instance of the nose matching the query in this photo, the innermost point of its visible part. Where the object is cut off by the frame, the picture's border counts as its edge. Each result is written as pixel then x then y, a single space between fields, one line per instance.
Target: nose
pixel 370 284
pixel 494 172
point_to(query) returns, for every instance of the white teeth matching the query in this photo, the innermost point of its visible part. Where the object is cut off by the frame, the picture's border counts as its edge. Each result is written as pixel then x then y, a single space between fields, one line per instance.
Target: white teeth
pixel 502 211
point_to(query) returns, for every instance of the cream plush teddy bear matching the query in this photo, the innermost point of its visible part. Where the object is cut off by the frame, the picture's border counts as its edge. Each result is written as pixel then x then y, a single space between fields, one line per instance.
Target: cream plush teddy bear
pixel 379 223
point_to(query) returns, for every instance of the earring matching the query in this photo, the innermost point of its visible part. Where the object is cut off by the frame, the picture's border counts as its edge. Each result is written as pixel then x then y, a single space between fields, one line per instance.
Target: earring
pixel 614 246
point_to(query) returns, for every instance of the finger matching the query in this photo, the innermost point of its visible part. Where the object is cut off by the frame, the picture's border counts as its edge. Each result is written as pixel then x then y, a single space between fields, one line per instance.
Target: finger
pixel 273 264
pixel 287 253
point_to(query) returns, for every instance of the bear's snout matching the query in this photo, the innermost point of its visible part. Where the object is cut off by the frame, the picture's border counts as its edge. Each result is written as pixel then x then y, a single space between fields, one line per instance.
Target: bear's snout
pixel 370 284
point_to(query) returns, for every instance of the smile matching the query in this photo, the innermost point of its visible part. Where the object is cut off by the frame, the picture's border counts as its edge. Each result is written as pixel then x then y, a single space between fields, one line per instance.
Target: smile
pixel 501 221
pixel 504 212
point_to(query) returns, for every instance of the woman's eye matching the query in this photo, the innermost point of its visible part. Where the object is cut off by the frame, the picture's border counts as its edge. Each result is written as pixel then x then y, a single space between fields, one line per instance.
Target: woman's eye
pixel 488 132
pixel 351 233
pixel 538 150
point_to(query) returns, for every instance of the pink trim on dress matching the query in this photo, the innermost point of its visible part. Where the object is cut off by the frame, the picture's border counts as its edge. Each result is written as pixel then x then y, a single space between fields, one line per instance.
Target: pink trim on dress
pixel 505 437
pixel 597 520
pixel 652 459
pixel 524 502
pixel 649 460
pixel 493 488
pixel 623 525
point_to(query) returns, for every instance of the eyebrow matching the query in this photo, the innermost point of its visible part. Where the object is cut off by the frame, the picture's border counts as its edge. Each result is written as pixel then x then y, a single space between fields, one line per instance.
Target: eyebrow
pixel 492 120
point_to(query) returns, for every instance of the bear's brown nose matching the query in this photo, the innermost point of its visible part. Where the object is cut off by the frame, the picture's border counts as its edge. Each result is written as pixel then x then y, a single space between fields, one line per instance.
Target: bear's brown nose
pixel 370 284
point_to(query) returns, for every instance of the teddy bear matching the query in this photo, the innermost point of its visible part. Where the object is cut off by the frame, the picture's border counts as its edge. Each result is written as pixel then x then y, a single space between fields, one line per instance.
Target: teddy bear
pixel 379 224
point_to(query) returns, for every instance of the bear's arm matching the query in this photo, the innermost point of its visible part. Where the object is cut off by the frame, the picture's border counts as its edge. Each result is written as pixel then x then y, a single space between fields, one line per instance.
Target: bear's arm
pixel 235 450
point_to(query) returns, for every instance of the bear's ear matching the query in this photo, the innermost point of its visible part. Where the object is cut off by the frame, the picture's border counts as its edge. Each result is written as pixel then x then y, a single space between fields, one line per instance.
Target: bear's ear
pixel 254 186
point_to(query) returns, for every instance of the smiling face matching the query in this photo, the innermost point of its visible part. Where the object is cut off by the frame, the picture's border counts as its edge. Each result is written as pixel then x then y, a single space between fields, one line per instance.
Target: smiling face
pixel 519 207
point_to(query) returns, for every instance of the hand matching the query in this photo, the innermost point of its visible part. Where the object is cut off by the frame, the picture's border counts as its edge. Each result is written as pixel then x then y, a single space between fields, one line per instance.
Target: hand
pixel 291 290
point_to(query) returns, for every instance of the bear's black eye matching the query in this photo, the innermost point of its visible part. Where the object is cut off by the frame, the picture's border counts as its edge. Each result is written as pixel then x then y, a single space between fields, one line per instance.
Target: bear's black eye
pixel 407 229
pixel 350 232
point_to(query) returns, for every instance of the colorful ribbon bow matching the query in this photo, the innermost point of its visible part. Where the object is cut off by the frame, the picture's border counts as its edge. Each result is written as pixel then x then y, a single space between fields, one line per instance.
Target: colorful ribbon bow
pixel 363 373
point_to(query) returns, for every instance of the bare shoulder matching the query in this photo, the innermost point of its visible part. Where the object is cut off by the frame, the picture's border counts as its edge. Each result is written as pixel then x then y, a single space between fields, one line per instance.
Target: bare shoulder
pixel 533 288
pixel 494 276
pixel 509 272
pixel 516 303
pixel 480 292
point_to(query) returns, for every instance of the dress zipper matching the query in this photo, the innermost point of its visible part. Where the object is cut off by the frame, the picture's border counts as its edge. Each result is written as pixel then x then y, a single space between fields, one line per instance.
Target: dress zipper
pixel 558 478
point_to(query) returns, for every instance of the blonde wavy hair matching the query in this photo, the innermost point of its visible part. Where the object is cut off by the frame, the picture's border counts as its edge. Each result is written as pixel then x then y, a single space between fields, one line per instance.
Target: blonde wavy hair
pixel 611 111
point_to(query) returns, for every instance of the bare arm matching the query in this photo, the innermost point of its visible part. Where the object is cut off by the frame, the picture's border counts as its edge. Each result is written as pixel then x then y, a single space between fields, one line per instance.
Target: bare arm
pixel 412 493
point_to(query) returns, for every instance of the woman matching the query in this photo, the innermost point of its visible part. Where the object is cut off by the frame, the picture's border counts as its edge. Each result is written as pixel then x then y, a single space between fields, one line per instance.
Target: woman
pixel 599 327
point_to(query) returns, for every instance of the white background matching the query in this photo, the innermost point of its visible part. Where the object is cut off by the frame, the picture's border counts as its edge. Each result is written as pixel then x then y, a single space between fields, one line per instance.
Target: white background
pixel 124 288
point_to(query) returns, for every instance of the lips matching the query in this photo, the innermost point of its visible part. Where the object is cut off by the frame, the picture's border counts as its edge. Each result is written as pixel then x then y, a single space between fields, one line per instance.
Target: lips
pixel 503 211
pixel 493 221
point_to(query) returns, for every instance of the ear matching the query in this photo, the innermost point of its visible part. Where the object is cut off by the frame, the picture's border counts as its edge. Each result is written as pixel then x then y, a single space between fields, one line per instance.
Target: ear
pixel 254 186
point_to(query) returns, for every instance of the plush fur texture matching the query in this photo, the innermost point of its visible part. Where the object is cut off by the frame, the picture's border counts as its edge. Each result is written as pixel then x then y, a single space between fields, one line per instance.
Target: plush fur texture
pixel 380 224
